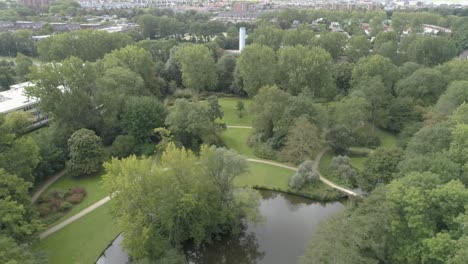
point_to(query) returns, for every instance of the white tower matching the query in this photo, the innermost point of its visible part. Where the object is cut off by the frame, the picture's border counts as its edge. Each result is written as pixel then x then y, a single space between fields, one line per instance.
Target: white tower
pixel 241 38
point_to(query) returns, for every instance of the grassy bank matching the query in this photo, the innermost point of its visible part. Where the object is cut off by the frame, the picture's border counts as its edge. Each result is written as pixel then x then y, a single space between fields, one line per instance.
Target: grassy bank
pixel 82 241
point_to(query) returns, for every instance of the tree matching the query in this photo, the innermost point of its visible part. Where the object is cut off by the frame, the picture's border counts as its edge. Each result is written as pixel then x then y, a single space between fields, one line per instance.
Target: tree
pixel 214 109
pixel 380 168
pixel 431 51
pixel 7 74
pixel 339 138
pixel 256 67
pixel 374 66
pixel 352 112
pixel 459 144
pixel 305 174
pixel 309 70
pixel 358 46
pixel 267 104
pixel 18 155
pixel 240 108
pixel 185 198
pixel 453 97
pixel 460 115
pixel 123 146
pixel 137 60
pixel 66 92
pixel 18 122
pixel 11 252
pixel 23 66
pixel 18 217
pixel 198 68
pixel 439 135
pixel 86 153
pixel 341 168
pixel 191 125
pixel 269 36
pixel 424 86
pixel 302 142
pixel 333 42
pixel 225 71
pixel 142 115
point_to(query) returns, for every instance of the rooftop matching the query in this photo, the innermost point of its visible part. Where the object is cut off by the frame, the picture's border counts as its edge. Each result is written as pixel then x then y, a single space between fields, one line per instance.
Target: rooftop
pixel 14 99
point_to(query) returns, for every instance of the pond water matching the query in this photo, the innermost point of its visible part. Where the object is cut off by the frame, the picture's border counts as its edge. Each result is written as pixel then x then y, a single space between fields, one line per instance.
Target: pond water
pixel 289 222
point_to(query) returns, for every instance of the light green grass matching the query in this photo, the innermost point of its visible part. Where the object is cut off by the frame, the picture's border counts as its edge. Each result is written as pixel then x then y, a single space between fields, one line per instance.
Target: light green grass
pixel 231 116
pixel 236 139
pixel 264 175
pixel 92 185
pixel 358 162
pixel 83 241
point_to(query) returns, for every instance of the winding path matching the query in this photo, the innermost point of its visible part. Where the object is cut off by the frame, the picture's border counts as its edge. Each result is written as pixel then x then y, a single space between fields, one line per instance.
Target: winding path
pixel 107 199
pixel 46 185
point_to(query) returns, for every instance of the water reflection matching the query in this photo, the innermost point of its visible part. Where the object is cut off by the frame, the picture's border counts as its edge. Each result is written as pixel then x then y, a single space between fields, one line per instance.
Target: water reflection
pixel 289 223
pixel 241 249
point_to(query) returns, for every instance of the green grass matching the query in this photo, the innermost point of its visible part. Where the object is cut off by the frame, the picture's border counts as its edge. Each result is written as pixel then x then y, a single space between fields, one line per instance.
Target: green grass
pixel 264 175
pixel 91 184
pixel 236 139
pixel 231 116
pixel 83 241
pixel 387 139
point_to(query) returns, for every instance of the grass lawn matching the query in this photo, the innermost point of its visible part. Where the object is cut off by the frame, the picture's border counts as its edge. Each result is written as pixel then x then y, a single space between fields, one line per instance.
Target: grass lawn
pixel 387 139
pixel 236 139
pixel 83 241
pixel 264 175
pixel 91 184
pixel 231 117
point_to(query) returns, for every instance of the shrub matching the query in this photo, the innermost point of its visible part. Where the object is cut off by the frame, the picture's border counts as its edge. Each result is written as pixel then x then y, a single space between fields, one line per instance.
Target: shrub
pixel 264 150
pixel 77 190
pixel 305 174
pixel 76 198
pixel 123 146
pixel 65 206
pixel 183 93
pixel 44 209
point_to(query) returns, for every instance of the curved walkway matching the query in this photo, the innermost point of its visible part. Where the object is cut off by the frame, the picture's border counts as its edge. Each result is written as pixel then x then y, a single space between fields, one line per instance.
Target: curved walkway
pixel 46 185
pixel 269 162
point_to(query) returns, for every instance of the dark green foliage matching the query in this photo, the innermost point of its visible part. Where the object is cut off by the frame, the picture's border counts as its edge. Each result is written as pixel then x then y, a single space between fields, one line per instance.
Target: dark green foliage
pixel 123 146
pixel 214 109
pixel 7 74
pixel 225 72
pixel 339 138
pixel 86 153
pixel 430 139
pixel 12 252
pixel 380 168
pixel 141 116
pixel 430 51
pixel 341 169
pixel 453 97
pixel 424 86
pixel 240 108
pixel 52 156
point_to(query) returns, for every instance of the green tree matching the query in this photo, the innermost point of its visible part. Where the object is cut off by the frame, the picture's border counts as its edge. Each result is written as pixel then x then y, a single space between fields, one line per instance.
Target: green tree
pixel 198 68
pixel 439 135
pixel 123 146
pixel 86 153
pixel 424 86
pixel 333 42
pixel 303 141
pixel 459 144
pixel 305 174
pixel 142 115
pixel 431 51
pixel 268 36
pixel 18 217
pixel 191 125
pixel 185 198
pixel 256 66
pixel 342 170
pixel 307 69
pixel 374 66
pixel 7 74
pixel 18 122
pixel 240 108
pixel 339 138
pixel 214 109
pixel 453 97
pixel 225 71
pixel 12 252
pixel 23 66
pixel 267 104
pixel 66 92
pixel 358 46
pixel 380 168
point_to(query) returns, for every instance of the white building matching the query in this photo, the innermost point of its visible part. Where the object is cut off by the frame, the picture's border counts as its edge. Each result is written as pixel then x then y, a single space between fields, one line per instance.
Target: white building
pixel 15 99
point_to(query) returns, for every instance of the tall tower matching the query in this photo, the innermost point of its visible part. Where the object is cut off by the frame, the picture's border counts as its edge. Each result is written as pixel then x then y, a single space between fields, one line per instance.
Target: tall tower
pixel 241 38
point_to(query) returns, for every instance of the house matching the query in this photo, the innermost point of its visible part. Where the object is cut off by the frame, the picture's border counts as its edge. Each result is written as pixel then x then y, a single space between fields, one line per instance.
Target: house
pixel 335 27
pixel 434 30
pixel 15 99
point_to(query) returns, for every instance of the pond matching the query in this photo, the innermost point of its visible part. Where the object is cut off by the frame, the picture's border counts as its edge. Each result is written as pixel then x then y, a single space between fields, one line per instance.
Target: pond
pixel 289 222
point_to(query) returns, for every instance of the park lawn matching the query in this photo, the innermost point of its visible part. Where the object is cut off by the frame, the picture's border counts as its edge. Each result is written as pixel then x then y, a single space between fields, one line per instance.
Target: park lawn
pixel 387 139
pixel 231 116
pixel 82 241
pixel 92 185
pixel 264 175
pixel 236 139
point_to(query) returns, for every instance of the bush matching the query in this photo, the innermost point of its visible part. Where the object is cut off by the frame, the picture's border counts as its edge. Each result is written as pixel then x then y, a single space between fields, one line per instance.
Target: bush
pixel 44 209
pixel 123 146
pixel 305 174
pixel 65 206
pixel 77 190
pixel 183 93
pixel 264 150
pixel 76 198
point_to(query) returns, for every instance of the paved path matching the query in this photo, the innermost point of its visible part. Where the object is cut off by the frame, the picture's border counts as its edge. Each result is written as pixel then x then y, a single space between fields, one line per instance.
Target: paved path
pixel 316 164
pixel 75 217
pixel 46 185
pixel 246 127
